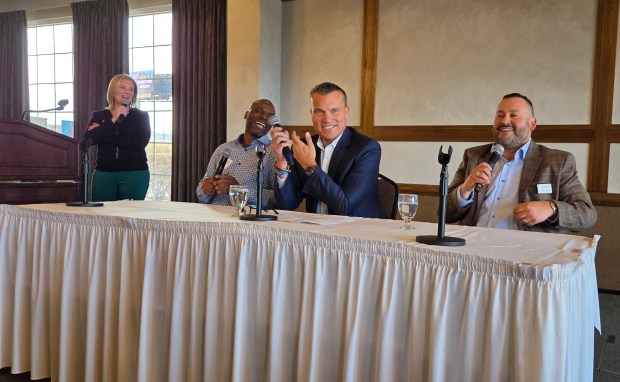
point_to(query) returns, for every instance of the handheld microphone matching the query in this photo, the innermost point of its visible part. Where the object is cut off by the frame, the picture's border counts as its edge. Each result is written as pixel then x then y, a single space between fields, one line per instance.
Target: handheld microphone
pixel 496 152
pixel 223 159
pixel 286 151
pixel 122 116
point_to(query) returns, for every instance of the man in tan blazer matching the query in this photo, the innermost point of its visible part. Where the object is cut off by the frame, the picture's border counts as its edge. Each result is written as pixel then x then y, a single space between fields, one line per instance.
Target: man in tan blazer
pixel 532 187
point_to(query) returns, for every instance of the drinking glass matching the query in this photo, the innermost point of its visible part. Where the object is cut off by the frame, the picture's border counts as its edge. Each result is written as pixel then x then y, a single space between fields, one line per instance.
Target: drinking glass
pixel 407 206
pixel 238 198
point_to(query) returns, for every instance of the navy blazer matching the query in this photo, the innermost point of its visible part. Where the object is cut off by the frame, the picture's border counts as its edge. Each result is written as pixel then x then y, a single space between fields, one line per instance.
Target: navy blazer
pixel 349 188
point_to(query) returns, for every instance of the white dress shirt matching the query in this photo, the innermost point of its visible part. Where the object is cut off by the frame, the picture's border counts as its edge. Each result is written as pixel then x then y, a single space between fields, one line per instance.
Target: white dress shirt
pixel 326 157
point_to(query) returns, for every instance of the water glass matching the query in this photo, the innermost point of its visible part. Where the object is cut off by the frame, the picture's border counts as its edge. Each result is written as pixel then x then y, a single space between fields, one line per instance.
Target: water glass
pixel 407 206
pixel 238 198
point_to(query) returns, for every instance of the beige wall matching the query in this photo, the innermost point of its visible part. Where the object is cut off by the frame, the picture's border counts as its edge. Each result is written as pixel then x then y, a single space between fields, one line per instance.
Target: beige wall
pixel 243 61
pixel 254 57
pixel 321 41
pixel 614 173
pixel 444 62
pixel 447 62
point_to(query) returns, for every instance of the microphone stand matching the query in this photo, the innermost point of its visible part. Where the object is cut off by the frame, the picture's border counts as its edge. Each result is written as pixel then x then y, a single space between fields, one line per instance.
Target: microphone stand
pixel 85 203
pixel 440 238
pixel 61 106
pixel 260 152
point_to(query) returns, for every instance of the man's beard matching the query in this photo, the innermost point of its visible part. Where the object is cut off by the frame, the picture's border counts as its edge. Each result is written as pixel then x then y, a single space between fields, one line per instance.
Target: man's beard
pixel 517 140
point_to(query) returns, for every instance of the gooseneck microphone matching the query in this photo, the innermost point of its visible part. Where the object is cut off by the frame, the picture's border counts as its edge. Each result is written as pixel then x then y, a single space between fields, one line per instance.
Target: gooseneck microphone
pixel 496 152
pixel 223 159
pixel 61 106
pixel 121 117
pixel 286 151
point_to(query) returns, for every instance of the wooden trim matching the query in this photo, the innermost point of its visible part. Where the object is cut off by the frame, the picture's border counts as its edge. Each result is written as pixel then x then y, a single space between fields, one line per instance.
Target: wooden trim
pixel 478 133
pixel 469 133
pixel 369 65
pixel 603 92
pixel 605 199
pixel 598 198
pixel 613 134
pixel 301 130
pixel 420 189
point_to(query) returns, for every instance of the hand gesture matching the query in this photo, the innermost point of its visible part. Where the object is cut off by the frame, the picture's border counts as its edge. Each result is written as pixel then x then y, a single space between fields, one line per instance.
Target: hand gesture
pixel 304 152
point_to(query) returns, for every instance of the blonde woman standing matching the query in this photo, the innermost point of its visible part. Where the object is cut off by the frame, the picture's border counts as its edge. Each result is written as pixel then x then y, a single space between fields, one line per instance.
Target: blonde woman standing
pixel 121 133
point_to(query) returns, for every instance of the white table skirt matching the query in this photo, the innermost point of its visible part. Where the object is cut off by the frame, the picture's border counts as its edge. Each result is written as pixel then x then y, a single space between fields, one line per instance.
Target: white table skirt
pixel 162 291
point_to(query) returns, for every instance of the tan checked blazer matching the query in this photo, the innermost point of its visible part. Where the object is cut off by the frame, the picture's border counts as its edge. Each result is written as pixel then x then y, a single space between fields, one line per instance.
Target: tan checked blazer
pixel 542 166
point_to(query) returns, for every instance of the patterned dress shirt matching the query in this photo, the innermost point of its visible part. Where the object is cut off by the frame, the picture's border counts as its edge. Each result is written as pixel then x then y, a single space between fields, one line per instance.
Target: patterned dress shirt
pixel 243 165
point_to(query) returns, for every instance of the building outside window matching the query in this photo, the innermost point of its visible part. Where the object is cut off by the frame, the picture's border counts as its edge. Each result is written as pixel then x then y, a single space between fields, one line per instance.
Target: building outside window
pixel 50 76
pixel 150 64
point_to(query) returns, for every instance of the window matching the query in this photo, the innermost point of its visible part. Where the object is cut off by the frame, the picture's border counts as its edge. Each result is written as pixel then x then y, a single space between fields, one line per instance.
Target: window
pixel 150 64
pixel 50 75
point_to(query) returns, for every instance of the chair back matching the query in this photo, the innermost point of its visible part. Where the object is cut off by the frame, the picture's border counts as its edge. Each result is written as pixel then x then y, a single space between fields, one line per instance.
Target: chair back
pixel 388 197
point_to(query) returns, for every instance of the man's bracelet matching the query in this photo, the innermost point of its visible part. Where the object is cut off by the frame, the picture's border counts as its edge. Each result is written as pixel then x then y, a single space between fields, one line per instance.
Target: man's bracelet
pixel 282 171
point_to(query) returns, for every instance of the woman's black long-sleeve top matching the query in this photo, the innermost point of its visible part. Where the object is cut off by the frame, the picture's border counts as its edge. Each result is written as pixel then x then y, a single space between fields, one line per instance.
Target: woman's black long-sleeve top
pixel 121 146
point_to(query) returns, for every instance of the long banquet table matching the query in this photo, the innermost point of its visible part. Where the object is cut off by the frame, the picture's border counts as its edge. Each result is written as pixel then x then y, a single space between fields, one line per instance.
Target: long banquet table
pixel 165 291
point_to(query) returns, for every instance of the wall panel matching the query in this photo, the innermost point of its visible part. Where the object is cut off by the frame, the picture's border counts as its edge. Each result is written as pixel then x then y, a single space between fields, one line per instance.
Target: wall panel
pixel 448 62
pixel 321 41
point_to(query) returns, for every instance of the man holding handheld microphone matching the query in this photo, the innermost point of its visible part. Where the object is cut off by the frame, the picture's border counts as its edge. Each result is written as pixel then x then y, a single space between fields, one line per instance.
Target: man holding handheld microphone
pixel 531 187
pixel 335 170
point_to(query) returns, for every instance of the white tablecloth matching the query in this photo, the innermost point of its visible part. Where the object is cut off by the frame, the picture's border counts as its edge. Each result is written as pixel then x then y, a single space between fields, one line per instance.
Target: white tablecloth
pixel 163 291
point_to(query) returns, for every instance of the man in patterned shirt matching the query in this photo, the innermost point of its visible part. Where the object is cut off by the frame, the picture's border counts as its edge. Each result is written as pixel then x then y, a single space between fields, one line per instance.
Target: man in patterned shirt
pixel 243 162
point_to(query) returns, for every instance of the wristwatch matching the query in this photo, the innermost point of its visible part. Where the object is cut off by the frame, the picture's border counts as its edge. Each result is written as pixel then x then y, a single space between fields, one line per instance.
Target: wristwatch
pixel 309 170
pixel 554 207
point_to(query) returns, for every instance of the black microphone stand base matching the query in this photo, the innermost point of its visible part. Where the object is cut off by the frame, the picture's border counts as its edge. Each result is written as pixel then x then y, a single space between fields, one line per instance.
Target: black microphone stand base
pixel 441 238
pixel 84 204
pixel 447 241
pixel 258 218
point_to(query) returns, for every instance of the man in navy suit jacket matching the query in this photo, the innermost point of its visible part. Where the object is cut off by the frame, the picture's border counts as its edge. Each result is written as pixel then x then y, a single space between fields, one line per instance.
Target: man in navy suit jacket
pixel 335 170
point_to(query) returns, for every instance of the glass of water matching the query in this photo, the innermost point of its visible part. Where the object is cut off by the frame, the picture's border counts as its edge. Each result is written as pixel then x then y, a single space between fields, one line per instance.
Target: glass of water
pixel 238 198
pixel 407 206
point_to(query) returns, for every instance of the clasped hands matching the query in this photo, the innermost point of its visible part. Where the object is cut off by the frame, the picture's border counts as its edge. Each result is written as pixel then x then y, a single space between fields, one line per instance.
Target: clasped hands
pixel 219 184
pixel 304 152
pixel 528 213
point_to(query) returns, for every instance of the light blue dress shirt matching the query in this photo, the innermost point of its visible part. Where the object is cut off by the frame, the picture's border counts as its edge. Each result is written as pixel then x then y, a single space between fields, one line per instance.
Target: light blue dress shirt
pixel 503 193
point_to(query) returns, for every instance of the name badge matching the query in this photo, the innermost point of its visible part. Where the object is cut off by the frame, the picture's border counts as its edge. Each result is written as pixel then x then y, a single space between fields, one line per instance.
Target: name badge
pixel 544 188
